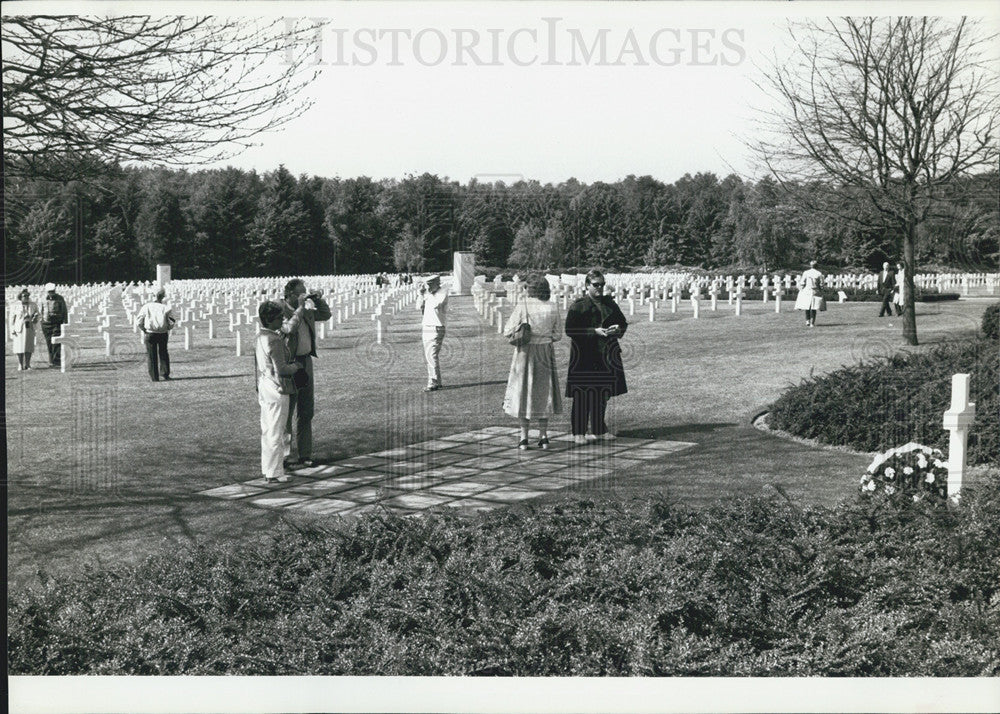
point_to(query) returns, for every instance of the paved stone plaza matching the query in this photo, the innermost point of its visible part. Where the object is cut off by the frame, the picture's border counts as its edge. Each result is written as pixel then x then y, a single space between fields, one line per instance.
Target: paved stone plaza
pixel 473 470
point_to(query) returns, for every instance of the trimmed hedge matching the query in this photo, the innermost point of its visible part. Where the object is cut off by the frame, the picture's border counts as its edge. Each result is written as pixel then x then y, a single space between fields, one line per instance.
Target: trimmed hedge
pixel 991 321
pixel 754 586
pixel 877 405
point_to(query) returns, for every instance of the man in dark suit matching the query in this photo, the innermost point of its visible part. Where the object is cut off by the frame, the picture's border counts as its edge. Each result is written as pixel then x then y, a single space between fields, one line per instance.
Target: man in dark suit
pixel 301 310
pixel 886 287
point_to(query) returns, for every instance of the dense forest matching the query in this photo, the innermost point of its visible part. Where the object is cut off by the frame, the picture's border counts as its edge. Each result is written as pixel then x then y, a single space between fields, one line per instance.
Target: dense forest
pixel 233 223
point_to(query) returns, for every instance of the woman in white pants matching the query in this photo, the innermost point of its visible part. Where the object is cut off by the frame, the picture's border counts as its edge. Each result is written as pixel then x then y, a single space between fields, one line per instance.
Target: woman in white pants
pixel 274 385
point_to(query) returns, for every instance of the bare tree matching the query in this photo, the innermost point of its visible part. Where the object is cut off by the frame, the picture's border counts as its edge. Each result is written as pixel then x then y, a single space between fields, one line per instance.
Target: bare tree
pixel 82 91
pixel 890 109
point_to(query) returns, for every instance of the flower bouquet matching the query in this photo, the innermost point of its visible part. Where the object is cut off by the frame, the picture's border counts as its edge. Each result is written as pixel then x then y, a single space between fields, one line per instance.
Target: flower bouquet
pixel 913 469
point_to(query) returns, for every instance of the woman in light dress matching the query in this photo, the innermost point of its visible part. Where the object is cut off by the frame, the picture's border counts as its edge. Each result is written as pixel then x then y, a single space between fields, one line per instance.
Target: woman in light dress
pixel 809 298
pixel 533 385
pixel 22 329
pixel 899 299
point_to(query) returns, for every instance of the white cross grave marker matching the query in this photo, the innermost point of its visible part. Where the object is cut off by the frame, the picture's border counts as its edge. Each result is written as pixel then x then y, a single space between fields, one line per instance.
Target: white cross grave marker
pixel 957 420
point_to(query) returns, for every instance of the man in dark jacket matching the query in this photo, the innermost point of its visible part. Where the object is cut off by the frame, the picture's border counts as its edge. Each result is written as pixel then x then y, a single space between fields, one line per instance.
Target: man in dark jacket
pixel 594 323
pixel 54 314
pixel 886 287
pixel 301 310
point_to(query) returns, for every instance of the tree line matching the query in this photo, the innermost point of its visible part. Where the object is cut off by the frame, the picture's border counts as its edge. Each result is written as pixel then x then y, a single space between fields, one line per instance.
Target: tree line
pixel 235 223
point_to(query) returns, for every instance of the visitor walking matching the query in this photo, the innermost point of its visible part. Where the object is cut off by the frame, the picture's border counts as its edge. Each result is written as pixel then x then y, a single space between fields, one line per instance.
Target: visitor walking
pixel 886 288
pixel 54 314
pixel 433 304
pixel 156 320
pixel 899 297
pixel 533 385
pixel 594 323
pixel 22 329
pixel 809 298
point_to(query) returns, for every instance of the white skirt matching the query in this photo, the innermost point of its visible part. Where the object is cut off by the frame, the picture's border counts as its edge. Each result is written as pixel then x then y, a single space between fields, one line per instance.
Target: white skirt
pixel 533 384
pixel 807 299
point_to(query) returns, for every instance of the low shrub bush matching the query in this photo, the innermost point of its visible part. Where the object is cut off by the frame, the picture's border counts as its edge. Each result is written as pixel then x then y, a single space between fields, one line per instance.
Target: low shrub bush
pixel 754 586
pixel 883 403
pixel 991 321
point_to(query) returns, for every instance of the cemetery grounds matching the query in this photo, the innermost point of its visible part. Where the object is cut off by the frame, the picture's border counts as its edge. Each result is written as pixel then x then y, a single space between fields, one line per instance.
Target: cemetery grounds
pixel 105 466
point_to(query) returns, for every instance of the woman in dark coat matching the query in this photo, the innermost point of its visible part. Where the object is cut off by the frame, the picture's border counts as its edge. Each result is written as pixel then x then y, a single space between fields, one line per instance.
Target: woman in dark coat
pixel 594 323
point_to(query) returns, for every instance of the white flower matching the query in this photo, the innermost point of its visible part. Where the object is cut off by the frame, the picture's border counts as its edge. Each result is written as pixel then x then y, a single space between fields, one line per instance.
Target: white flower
pixel 922 461
pixel 890 489
pixel 929 478
pixel 940 464
pixel 907 470
pixel 916 497
pixel 890 472
pixel 870 486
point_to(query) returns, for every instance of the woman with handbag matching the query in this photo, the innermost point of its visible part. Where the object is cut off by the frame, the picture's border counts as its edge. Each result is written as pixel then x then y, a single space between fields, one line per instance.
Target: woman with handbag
pixel 22 329
pixel 809 297
pixel 596 372
pixel 276 373
pixel 533 385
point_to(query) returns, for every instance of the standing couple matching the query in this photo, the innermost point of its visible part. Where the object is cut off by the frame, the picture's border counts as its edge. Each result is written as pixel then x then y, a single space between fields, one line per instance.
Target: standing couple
pixel 596 373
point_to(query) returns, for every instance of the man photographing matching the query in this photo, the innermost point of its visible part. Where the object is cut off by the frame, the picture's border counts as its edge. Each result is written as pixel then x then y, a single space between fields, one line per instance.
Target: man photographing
pixel 433 304
pixel 300 311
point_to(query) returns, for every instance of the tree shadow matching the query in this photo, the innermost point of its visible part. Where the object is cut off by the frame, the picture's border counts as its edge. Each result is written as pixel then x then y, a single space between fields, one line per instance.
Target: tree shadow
pixel 212 376
pixel 474 384
pixel 673 431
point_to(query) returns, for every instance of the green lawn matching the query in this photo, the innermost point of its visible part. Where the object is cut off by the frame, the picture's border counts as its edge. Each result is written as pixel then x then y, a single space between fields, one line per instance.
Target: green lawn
pixel 103 464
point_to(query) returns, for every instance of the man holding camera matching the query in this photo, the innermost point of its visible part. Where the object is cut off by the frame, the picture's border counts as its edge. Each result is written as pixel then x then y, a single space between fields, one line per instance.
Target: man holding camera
pixel 300 311
pixel 433 304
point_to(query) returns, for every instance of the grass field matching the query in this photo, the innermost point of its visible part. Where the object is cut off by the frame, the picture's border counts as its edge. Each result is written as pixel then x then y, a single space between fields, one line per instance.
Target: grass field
pixel 103 465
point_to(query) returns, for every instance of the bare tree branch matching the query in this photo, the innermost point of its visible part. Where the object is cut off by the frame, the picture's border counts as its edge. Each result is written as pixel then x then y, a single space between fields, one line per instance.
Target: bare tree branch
pixel 891 109
pixel 78 91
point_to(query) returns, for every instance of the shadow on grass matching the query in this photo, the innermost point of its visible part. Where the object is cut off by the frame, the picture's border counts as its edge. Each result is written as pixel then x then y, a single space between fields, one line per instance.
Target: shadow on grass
pixel 212 376
pixel 674 431
pixel 473 384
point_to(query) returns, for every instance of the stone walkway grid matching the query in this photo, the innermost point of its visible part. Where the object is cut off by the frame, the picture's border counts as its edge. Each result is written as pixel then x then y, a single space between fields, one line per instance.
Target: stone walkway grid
pixel 473 470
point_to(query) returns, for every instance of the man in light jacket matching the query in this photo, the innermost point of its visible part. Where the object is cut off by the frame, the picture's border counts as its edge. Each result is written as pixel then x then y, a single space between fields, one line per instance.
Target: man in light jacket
pixel 433 304
pixel 156 320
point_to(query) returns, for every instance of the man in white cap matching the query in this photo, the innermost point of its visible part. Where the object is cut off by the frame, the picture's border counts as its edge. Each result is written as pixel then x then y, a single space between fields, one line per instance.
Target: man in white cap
pixel 433 304
pixel 156 320
pixel 54 314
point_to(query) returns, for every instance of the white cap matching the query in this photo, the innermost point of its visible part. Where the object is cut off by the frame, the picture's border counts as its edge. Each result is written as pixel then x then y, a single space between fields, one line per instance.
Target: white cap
pixel 49 287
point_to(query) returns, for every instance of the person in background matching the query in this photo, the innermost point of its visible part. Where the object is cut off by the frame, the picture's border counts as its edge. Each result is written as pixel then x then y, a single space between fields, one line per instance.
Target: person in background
pixel 275 369
pixel 886 287
pixel 809 298
pixel 22 329
pixel 300 311
pixel 594 323
pixel 54 314
pixel 532 384
pixel 433 304
pixel 899 297
pixel 156 320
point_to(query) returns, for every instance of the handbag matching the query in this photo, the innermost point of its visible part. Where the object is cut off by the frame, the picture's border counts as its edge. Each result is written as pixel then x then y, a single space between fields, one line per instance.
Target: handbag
pixel 521 335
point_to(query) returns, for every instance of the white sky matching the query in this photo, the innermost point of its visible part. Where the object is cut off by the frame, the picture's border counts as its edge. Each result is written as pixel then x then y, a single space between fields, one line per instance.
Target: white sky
pixel 550 123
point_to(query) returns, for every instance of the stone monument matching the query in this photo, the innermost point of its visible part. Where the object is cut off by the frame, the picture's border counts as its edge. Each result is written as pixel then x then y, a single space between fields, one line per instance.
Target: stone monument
pixel 162 274
pixel 463 273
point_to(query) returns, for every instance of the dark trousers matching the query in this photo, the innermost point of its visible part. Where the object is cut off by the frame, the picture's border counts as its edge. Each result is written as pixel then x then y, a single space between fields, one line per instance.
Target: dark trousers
pixel 589 406
pixel 156 351
pixel 301 406
pixel 886 310
pixel 55 350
